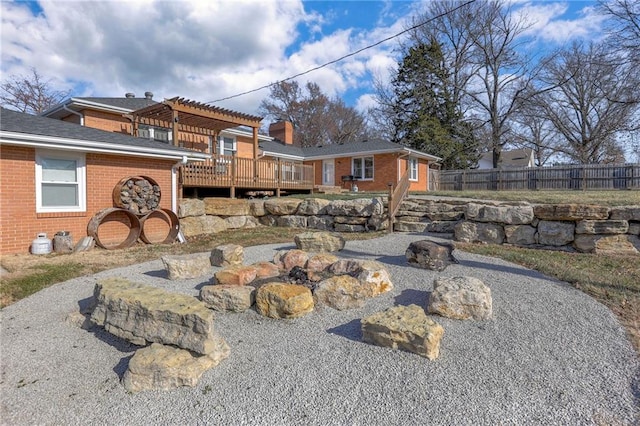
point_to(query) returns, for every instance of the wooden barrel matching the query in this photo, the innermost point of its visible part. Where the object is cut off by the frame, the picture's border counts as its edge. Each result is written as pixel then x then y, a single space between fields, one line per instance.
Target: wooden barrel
pixel 138 194
pixel 114 215
pixel 167 216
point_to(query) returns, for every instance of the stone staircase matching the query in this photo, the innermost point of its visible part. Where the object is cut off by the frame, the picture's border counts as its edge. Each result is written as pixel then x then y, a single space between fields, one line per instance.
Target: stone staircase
pixel 419 215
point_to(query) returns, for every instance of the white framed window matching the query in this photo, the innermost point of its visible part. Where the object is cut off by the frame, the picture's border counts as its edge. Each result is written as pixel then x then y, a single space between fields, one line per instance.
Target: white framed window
pixel 155 133
pixel 227 145
pixel 60 182
pixel 362 168
pixel 413 169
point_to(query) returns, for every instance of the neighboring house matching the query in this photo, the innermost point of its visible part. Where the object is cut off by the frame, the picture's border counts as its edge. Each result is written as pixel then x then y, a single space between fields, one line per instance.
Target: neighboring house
pixel 55 176
pixel 368 165
pixel 508 159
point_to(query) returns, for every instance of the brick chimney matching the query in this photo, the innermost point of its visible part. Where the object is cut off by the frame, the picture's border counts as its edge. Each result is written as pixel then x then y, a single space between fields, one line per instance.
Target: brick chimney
pixel 282 130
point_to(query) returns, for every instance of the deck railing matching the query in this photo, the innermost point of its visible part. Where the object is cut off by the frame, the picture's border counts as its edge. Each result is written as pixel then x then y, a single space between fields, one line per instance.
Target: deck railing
pixel 396 196
pixel 226 171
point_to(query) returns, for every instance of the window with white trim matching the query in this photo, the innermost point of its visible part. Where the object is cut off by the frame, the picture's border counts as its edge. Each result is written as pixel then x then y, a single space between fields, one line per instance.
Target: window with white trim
pixel 227 145
pixel 362 168
pixel 60 182
pixel 413 169
pixel 155 133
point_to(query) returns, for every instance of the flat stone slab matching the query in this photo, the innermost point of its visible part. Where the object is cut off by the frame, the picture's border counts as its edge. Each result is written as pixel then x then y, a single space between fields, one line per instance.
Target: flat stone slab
pixel 342 292
pixel 160 367
pixel 188 266
pixel 235 275
pixel 144 314
pixel 406 328
pixel 461 298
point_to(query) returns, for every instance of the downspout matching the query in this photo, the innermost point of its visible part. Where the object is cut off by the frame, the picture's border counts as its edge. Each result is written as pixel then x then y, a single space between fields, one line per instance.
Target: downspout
pixel 174 191
pixel 64 107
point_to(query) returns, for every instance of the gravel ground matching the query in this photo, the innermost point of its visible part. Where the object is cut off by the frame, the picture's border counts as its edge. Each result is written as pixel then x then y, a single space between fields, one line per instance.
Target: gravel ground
pixel 551 355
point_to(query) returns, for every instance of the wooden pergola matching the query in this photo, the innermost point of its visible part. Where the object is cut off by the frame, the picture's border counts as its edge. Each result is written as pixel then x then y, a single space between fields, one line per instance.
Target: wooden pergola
pixel 184 115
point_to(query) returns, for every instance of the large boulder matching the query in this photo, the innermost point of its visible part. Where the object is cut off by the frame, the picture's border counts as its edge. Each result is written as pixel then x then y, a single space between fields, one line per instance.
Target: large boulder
pixel 461 298
pixel 521 235
pixel 160 367
pixel 313 206
pixel 186 266
pixel 285 260
pixel 227 255
pixel 602 227
pixel 369 272
pixel 625 213
pixel 226 207
pixel 235 275
pixel 191 207
pixel 256 208
pixel 319 242
pixel 324 223
pixel 283 300
pixel 342 292
pixel 282 206
pixel 238 222
pixel 358 207
pixel 472 232
pixel 551 233
pixel 510 215
pixel 199 225
pixel 430 255
pixel 570 212
pixel 624 244
pixel 406 328
pixel 231 298
pixel 143 314
pixel 291 221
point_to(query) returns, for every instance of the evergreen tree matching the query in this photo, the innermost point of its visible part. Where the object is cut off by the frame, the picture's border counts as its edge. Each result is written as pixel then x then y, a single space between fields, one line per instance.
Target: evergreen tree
pixel 425 114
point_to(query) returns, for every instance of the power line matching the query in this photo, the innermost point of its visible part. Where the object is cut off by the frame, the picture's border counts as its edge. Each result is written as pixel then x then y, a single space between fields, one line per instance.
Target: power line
pixel 345 56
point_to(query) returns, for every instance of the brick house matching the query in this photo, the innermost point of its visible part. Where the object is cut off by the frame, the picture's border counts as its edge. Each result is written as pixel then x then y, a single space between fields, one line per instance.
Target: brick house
pixel 244 160
pixel 368 165
pixel 55 176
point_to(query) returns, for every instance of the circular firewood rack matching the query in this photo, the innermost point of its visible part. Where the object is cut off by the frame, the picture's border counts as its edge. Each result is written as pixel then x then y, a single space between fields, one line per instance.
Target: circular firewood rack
pixel 169 217
pixel 111 214
pixel 138 198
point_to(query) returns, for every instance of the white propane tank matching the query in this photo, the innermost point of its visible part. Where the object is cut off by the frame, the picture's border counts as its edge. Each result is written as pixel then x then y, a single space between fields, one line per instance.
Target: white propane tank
pixel 41 245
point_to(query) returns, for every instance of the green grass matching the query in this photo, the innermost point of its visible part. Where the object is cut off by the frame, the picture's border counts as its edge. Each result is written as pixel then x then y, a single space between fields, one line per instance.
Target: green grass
pixel 42 277
pixel 603 198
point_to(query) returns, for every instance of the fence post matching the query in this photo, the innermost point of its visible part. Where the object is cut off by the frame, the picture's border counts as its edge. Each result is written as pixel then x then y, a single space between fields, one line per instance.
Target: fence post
pixel 279 182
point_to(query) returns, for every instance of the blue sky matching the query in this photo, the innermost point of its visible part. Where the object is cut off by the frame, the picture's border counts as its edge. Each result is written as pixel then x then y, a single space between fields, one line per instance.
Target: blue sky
pixel 206 50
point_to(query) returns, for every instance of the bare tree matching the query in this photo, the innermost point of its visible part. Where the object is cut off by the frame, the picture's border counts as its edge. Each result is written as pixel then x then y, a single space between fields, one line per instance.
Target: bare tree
pixel 316 118
pixel 531 130
pixel 30 93
pixel 624 26
pixel 591 101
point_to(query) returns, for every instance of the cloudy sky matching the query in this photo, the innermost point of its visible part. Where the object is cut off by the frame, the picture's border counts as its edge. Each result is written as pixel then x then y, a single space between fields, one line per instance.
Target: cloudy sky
pixel 209 50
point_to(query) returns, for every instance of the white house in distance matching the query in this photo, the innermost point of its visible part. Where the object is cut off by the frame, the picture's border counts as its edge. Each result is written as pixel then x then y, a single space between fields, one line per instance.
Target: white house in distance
pixel 508 159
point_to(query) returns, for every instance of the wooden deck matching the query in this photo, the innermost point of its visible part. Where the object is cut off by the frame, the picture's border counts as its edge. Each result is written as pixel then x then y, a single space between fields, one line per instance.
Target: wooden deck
pixel 232 172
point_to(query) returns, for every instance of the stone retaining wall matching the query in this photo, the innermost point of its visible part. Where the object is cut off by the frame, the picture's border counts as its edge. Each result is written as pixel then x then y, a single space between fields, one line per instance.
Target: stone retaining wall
pixel 569 227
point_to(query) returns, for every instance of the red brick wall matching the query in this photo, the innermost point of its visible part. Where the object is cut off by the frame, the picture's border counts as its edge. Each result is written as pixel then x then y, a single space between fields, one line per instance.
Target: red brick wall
pixel 19 222
pixel 385 170
pixel 106 121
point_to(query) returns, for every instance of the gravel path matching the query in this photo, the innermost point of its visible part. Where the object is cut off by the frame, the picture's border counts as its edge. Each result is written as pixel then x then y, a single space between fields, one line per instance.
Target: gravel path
pixel 551 355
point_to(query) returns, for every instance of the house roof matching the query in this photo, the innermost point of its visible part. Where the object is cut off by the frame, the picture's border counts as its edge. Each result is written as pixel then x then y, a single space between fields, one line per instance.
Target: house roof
pixel 18 128
pixel 513 158
pixel 370 147
pixel 123 105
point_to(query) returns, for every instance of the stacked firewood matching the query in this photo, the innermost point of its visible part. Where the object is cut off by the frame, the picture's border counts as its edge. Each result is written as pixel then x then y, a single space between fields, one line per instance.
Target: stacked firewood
pixel 139 195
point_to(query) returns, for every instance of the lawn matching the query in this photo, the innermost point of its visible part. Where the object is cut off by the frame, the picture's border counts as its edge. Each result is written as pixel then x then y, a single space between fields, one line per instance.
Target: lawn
pixel 603 198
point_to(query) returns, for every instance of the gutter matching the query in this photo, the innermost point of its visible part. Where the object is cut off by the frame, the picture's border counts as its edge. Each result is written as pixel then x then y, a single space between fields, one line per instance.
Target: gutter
pixel 64 107
pixel 174 191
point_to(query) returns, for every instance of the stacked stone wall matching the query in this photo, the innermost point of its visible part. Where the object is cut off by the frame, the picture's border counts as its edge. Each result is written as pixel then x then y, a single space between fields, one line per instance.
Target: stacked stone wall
pixel 569 227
